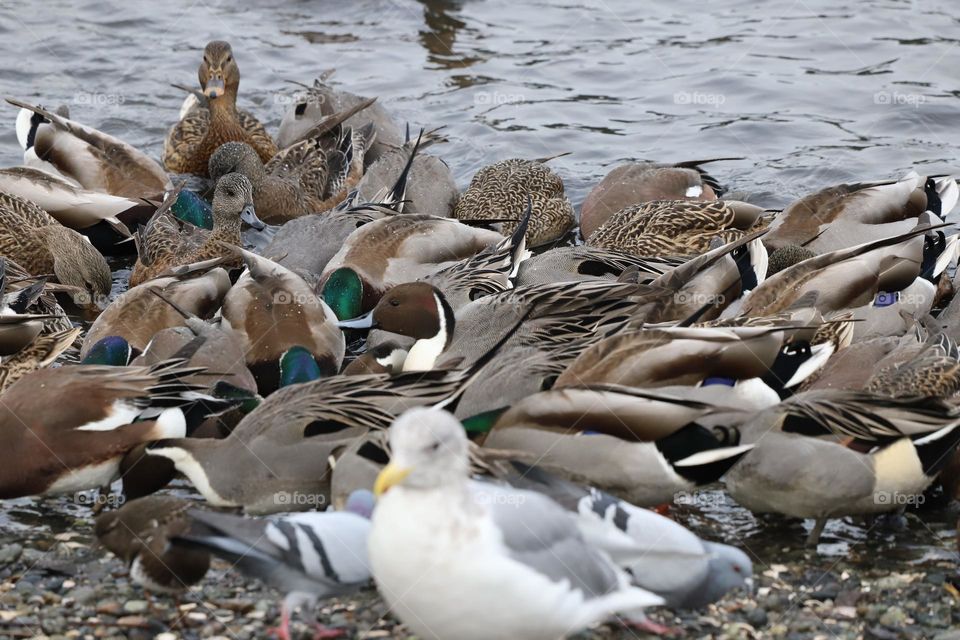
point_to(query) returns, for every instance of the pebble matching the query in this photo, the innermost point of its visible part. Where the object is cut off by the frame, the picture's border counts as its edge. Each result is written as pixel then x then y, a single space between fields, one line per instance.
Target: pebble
pixel 757 617
pixel 893 617
pixel 136 606
pixel 10 553
pixel 83 595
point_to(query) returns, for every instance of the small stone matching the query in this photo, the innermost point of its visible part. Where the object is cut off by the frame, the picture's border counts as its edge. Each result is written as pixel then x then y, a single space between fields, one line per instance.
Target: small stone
pixel 136 606
pixel 757 617
pixel 108 607
pixel 893 617
pixel 166 635
pixel 9 553
pixel 935 577
pixel 83 595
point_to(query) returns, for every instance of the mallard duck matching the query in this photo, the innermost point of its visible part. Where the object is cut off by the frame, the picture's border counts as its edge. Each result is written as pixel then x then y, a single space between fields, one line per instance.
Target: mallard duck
pixel 918 369
pixel 845 215
pixel 92 159
pixel 312 176
pixel 41 245
pixel 675 227
pixel 141 533
pixel 140 314
pixel 203 128
pixel 286 444
pixel 41 352
pixel 643 447
pixel 499 192
pixel 314 104
pixel 271 310
pixel 634 183
pixel 163 243
pixel 393 250
pixel 100 413
pixel 829 454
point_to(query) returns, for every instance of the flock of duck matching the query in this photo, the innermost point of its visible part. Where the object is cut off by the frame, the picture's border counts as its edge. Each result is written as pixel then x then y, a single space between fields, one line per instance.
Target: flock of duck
pixel 321 317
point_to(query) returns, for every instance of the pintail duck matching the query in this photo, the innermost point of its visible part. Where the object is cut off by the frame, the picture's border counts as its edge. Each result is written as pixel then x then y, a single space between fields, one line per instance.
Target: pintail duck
pixel 216 120
pixel 91 159
pixel 392 250
pixel 385 357
pixel 642 447
pixel 142 534
pixel 77 444
pixel 498 193
pixel 829 454
pixel 845 215
pixel 286 444
pixel 271 310
pixel 919 369
pixel 316 103
pixel 164 243
pixel 140 314
pixel 583 262
pixel 311 176
pixel 675 227
pixel 41 245
pixel 634 183
pixel 307 556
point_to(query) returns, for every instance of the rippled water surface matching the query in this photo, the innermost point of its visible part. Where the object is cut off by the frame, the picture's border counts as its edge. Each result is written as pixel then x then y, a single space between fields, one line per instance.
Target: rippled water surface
pixel 807 93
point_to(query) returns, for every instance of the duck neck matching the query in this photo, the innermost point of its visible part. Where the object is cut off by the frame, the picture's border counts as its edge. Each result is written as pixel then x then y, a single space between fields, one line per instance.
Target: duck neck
pixel 424 353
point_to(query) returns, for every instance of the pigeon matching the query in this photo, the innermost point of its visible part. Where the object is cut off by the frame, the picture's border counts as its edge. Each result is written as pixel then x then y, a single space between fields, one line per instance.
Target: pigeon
pixel 458 559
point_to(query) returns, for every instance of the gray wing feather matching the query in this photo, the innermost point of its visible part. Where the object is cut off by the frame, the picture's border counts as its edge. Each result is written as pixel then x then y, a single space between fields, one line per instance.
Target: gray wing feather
pixel 542 535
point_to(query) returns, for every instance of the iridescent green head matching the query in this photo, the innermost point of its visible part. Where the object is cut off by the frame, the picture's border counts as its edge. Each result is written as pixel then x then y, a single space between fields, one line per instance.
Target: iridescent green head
pixel 343 293
pixel 193 209
pixel 482 422
pixel 226 391
pixel 112 350
pixel 298 365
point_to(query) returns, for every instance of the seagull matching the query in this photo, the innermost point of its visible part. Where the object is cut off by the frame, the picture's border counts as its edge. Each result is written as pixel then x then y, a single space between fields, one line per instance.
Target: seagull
pixel 457 559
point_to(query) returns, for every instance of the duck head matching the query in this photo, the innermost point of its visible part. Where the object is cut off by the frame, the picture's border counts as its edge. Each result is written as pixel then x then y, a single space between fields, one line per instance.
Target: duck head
pixel 414 309
pixel 233 203
pixel 219 74
pixel 236 157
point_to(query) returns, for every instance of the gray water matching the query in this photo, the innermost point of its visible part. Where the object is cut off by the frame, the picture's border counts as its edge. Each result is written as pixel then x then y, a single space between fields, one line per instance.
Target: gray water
pixel 808 93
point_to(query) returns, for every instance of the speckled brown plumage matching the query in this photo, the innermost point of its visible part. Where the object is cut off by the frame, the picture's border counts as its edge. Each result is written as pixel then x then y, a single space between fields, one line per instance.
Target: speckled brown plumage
pixel 499 192
pixel 675 227
pixel 140 534
pixel 39 353
pixel 933 371
pixel 41 245
pixel 194 138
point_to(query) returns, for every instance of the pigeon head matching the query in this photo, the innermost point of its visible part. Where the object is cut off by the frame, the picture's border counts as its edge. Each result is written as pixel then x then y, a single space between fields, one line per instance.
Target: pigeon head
pixel 730 568
pixel 360 502
pixel 428 451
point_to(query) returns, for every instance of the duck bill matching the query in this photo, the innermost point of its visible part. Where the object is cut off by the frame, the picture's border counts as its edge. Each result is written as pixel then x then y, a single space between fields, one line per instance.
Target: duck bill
pixel 215 87
pixel 391 476
pixel 249 216
pixel 365 321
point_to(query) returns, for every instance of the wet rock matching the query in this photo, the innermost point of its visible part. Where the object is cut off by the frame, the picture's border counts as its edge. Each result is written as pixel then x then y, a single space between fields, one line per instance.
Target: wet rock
pixel 83 595
pixel 10 553
pixel 136 606
pixel 893 617
pixel 757 617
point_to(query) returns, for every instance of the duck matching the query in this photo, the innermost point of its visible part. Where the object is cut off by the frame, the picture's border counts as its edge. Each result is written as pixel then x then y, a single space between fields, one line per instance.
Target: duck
pixel 76 444
pixel 675 227
pixel 163 244
pixel 91 159
pixel 633 183
pixel 39 353
pixel 643 447
pixel 830 454
pixel 315 103
pixel 843 279
pixel 307 556
pixel 142 534
pixel 287 443
pixel 498 193
pixel 215 119
pixel 916 368
pixel 841 216
pixel 312 176
pixel 385 357
pixel 271 310
pixel 757 362
pixel 393 250
pixel 140 314
pixel 549 578
pixel 36 241
pixel 430 187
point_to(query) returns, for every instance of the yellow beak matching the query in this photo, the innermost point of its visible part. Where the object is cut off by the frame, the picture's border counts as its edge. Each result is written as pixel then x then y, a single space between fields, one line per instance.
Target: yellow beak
pixel 390 476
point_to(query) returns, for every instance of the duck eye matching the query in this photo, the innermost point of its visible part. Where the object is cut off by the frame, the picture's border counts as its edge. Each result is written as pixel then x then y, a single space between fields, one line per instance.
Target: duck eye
pixel 394 302
pixel 229 58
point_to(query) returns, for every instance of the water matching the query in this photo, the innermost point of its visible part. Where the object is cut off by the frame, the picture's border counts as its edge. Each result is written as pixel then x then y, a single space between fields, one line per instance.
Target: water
pixel 808 93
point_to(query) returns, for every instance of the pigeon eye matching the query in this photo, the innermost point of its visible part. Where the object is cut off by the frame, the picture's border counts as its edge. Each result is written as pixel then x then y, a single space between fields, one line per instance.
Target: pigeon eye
pixel 435 446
